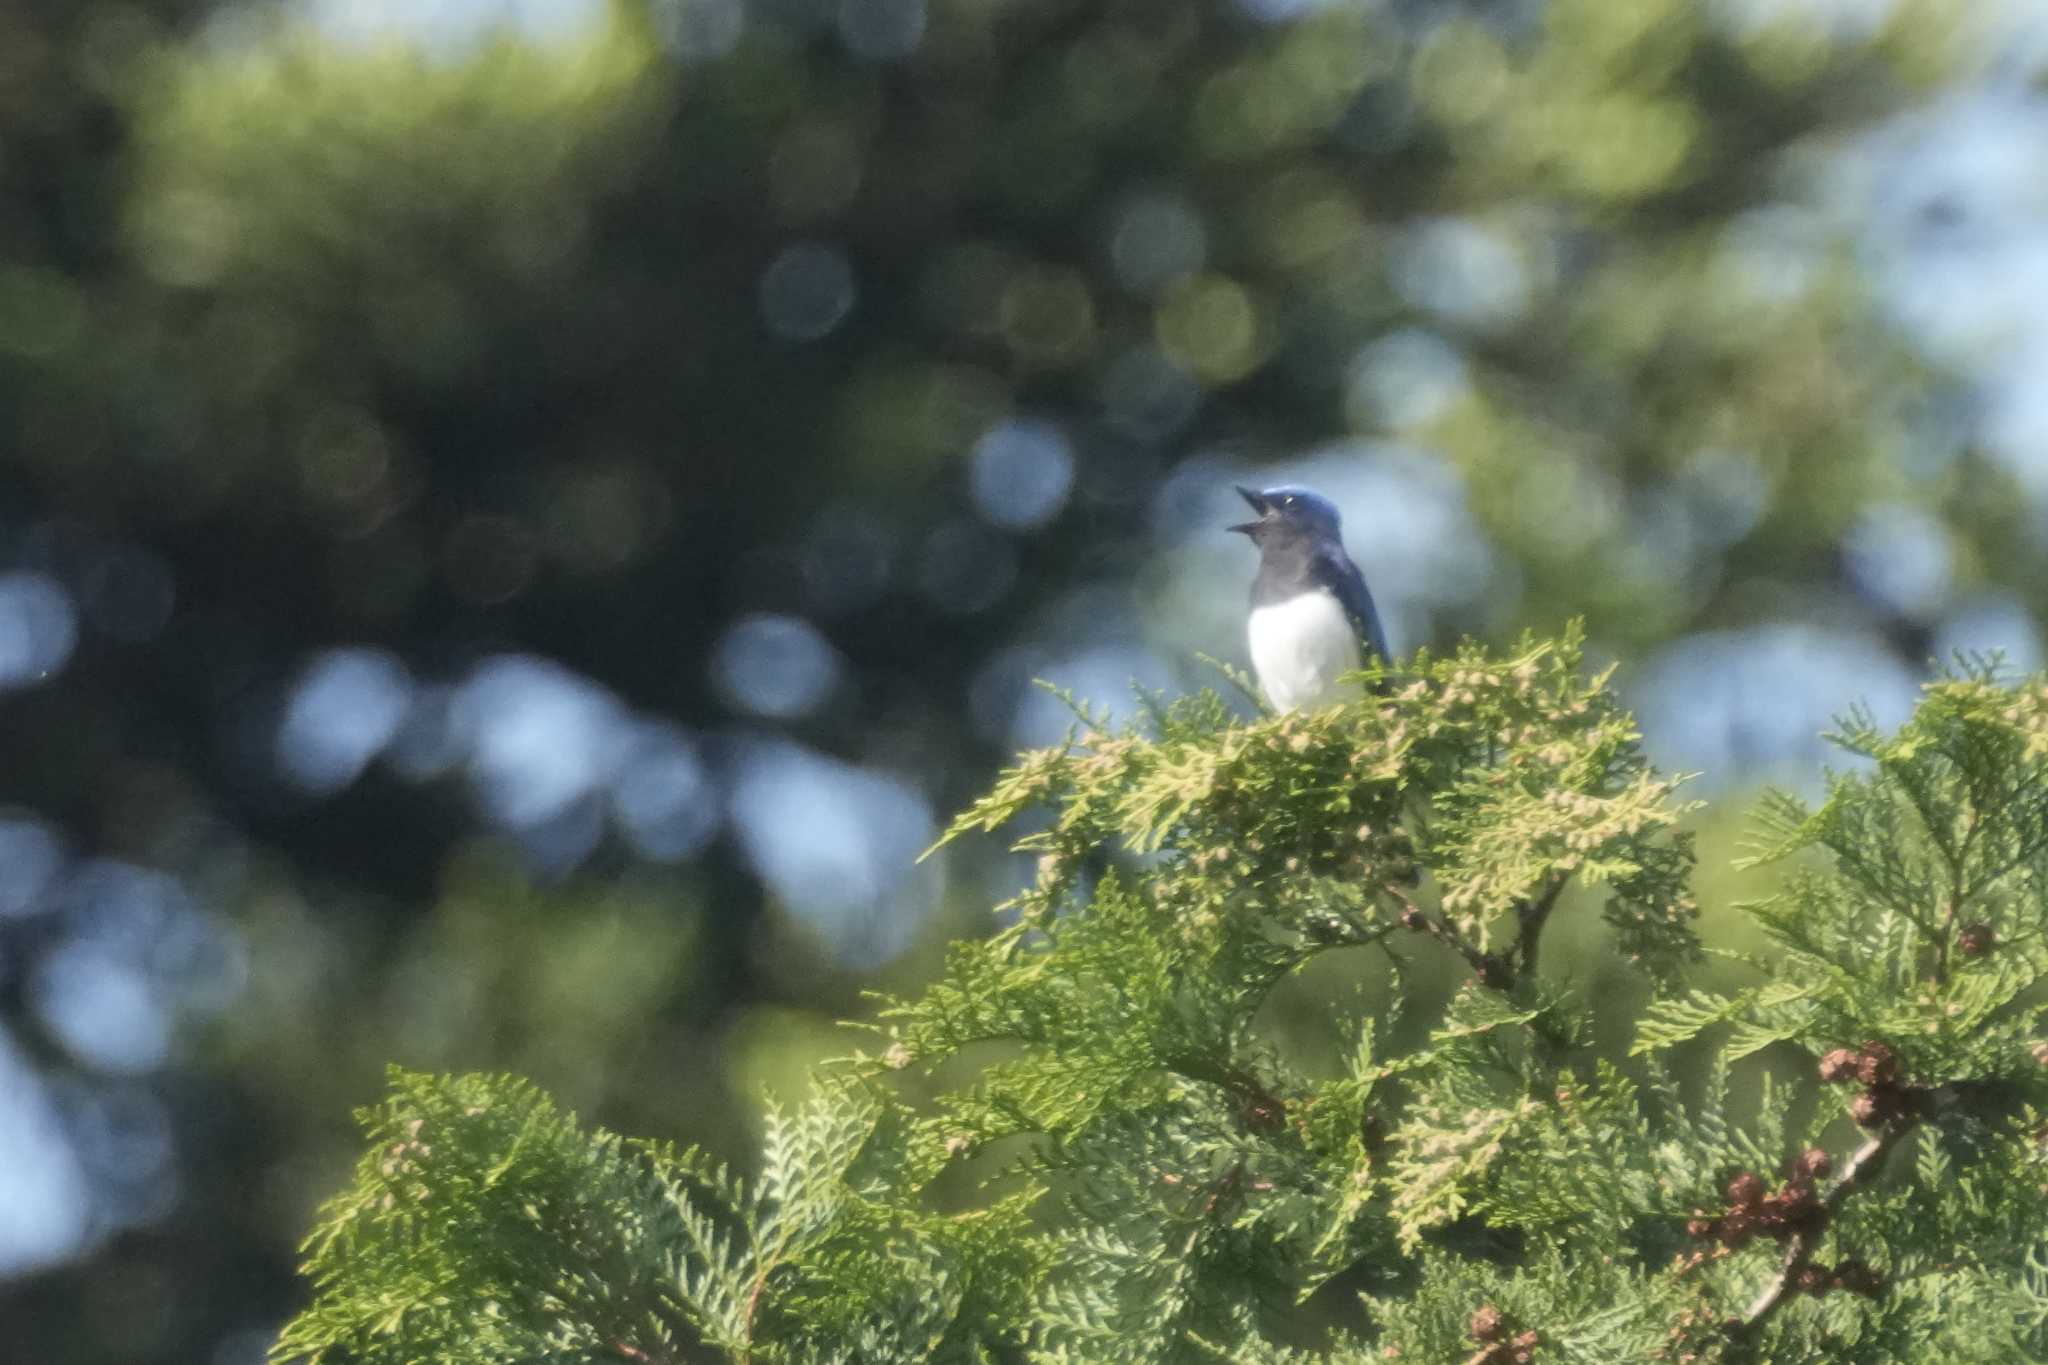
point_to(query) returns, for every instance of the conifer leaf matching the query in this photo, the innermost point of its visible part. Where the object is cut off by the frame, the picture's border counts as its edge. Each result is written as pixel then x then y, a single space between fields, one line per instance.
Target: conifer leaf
pixel 1107 1152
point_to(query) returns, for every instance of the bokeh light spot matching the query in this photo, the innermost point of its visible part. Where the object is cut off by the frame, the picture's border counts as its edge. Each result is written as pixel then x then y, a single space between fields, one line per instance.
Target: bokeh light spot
pixel 1727 492
pixel 1211 325
pixel 1993 624
pixel 38 629
pixel 1020 474
pixel 346 707
pixel 1305 216
pixel 807 291
pixel 30 858
pixel 1461 73
pixel 1156 239
pixel 700 30
pixel 1739 705
pixel 881 30
pixel 101 1006
pixel 773 665
pixel 122 1134
pixel 542 738
pixel 663 797
pixel 837 844
pixel 454 29
pixel 1048 316
pixel 44 1200
pixel 1460 271
pixel 1404 380
pixel 1899 556
pixel 1104 676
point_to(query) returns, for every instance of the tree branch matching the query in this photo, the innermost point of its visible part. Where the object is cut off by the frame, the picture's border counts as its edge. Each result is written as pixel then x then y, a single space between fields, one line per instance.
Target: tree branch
pixel 1803 1243
pixel 1981 1099
pixel 1487 967
pixel 1532 915
pixel 1958 867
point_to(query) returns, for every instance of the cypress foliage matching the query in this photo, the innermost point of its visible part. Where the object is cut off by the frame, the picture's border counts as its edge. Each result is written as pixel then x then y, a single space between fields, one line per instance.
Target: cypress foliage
pixel 1138 1171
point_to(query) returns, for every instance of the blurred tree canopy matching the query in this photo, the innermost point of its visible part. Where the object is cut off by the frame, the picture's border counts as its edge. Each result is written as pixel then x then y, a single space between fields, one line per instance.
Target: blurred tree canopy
pixel 509 544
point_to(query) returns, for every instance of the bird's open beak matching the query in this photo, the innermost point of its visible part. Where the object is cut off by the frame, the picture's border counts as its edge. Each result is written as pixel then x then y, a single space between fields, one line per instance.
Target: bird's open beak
pixel 1258 505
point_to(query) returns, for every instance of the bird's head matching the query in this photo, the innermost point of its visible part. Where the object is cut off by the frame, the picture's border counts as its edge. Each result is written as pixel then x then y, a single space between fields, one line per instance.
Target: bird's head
pixel 1288 512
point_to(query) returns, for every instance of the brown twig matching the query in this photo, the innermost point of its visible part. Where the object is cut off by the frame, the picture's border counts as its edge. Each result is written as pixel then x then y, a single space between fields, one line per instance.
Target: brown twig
pixel 1955 896
pixel 1800 1247
pixel 1531 916
pixel 1985 1099
pixel 1437 927
pixel 1498 971
pixel 1257 1105
pixel 1685 1265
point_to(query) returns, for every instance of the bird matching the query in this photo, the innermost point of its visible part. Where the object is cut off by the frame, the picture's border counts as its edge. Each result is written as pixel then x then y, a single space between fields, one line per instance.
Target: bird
pixel 1312 618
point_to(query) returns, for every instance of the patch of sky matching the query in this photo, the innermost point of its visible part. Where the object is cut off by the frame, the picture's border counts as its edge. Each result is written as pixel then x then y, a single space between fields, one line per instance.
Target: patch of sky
pixel 836 844
pixel 1738 705
pixel 1949 206
pixel 1992 624
pixel 1102 675
pixel 45 1199
pixel 1840 20
pixel 1899 556
pixel 455 26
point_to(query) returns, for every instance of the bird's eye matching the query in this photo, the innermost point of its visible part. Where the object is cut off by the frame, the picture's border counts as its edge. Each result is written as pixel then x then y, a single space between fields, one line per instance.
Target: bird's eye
pixel 1287 502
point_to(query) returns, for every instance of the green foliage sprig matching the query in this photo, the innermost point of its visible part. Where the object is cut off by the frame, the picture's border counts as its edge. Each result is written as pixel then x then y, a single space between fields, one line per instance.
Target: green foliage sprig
pixel 1136 1169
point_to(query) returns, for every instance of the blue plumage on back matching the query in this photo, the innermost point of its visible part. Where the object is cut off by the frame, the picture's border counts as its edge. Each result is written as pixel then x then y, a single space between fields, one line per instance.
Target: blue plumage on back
pixel 1335 569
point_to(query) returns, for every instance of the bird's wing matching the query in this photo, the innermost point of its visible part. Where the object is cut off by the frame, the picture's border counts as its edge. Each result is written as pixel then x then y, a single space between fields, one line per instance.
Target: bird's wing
pixel 1334 570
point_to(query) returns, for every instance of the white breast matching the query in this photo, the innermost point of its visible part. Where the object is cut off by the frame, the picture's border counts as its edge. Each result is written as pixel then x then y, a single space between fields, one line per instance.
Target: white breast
pixel 1299 649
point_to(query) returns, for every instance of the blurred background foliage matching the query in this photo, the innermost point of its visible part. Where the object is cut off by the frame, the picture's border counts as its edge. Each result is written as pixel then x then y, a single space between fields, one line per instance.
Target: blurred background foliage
pixel 519 518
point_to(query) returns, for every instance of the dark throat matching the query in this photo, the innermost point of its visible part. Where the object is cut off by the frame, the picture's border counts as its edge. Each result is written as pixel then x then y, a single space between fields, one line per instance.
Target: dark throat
pixel 1286 562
